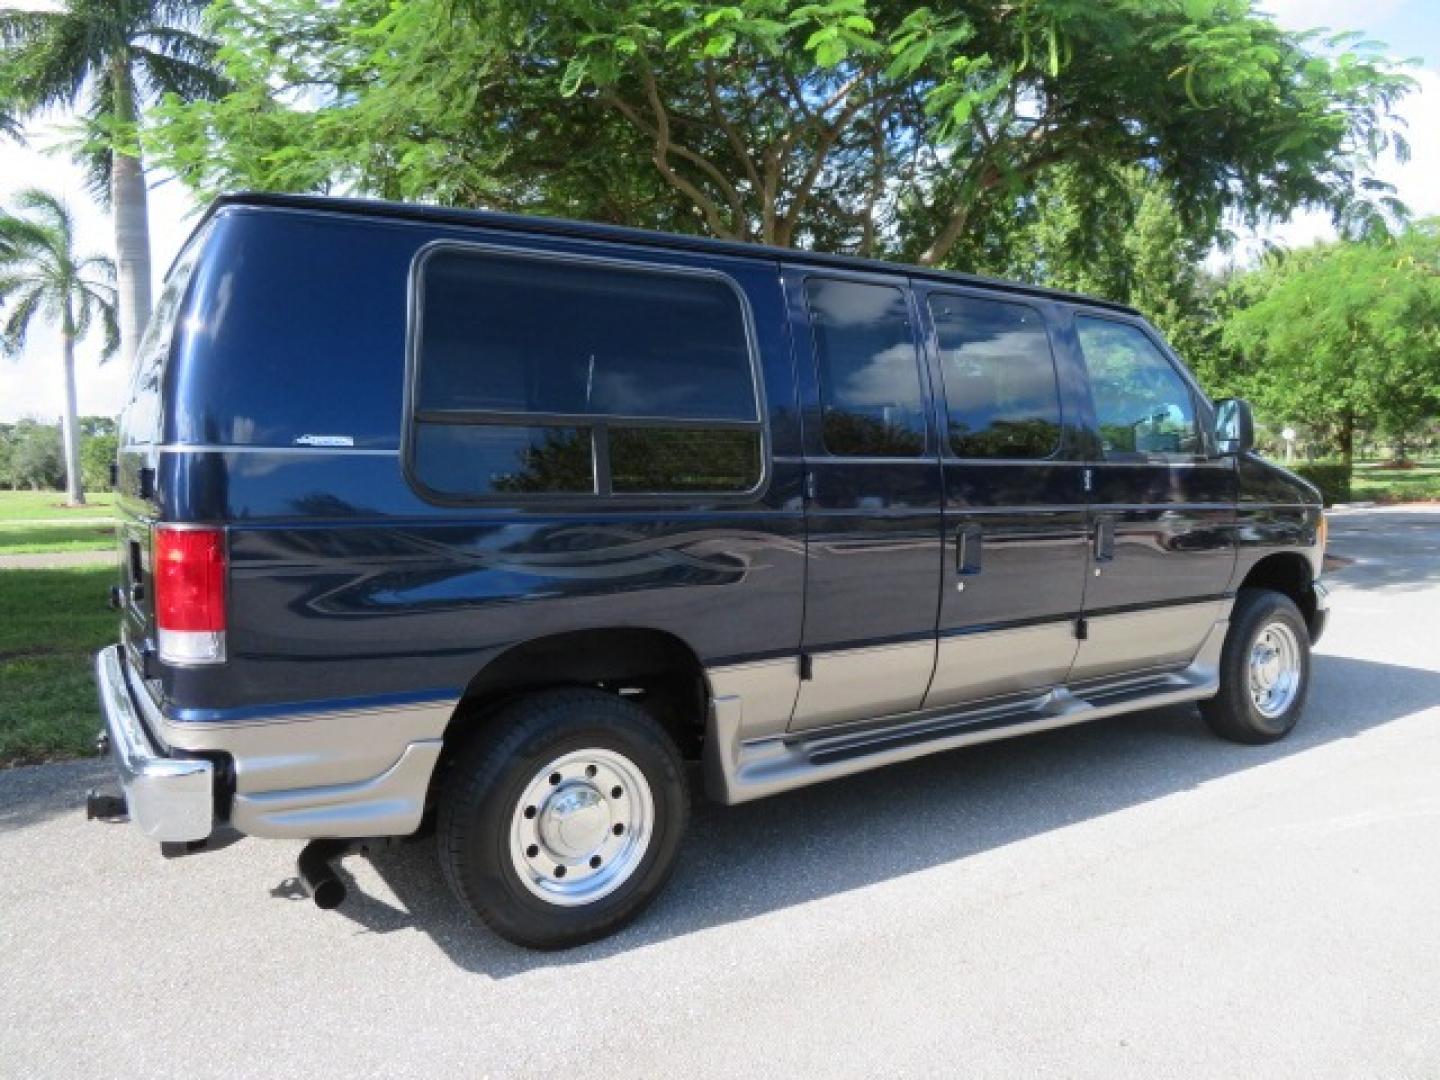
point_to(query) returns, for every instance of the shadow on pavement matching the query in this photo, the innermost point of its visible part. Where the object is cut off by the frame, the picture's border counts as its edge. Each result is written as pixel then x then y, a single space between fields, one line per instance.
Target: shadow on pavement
pixel 740 862
pixel 28 794
pixel 1389 550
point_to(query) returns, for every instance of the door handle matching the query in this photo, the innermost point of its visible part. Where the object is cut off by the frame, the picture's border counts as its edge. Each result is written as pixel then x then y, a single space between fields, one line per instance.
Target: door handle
pixel 1104 539
pixel 968 550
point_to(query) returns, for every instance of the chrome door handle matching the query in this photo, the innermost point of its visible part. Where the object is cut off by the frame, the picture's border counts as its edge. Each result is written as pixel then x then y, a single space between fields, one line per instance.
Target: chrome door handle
pixel 1104 539
pixel 968 550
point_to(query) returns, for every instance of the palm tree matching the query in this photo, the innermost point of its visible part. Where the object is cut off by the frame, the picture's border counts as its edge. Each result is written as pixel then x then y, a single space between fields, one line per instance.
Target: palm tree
pixel 108 58
pixel 41 277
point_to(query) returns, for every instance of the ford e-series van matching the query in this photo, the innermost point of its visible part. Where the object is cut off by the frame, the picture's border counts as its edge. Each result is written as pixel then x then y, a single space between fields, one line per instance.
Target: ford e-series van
pixel 486 525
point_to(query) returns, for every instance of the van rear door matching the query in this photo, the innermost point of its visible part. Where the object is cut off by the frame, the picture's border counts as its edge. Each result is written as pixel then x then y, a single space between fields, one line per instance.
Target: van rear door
pixel 137 498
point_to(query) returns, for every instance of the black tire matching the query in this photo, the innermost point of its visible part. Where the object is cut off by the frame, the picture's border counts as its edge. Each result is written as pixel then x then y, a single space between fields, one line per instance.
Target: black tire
pixel 481 794
pixel 1233 713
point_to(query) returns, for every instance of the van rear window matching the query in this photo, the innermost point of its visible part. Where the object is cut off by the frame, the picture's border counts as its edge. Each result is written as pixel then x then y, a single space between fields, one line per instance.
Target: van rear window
pixel 538 374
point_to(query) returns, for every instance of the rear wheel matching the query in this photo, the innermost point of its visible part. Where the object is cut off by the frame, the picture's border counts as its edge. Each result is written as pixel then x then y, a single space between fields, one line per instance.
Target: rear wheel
pixel 1264 670
pixel 562 820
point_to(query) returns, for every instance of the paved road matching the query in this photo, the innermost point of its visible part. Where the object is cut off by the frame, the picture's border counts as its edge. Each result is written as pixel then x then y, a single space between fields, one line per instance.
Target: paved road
pixel 1132 898
pixel 56 560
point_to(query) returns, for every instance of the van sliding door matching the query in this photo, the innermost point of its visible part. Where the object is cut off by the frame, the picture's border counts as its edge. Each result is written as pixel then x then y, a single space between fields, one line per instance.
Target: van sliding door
pixel 873 545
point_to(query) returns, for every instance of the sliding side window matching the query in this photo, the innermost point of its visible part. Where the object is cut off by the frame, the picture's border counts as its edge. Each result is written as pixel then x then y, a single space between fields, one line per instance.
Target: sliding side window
pixel 544 375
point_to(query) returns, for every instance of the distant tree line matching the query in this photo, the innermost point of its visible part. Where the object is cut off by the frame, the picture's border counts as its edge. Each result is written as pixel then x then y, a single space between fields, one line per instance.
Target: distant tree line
pixel 32 454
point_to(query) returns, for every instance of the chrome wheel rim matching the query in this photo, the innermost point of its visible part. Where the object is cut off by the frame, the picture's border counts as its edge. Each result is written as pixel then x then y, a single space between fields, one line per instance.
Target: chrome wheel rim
pixel 581 827
pixel 1274 669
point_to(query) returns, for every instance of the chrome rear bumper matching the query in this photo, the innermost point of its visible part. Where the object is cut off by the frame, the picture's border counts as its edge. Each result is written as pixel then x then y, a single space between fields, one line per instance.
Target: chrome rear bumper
pixel 170 799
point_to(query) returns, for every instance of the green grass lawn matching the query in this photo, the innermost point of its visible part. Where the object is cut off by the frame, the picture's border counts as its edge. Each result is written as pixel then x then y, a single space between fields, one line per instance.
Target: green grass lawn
pixel 22 539
pixel 51 624
pixel 1373 484
pixel 49 505
pixel 30 523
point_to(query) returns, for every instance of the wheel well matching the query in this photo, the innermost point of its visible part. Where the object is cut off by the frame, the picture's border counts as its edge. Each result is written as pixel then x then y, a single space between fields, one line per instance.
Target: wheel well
pixel 655 669
pixel 1288 573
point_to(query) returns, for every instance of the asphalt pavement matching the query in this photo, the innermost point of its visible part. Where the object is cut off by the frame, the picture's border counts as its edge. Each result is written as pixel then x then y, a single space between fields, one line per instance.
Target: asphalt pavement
pixel 1128 898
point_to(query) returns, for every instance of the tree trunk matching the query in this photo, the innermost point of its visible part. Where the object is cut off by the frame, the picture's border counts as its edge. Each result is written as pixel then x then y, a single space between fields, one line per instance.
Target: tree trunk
pixel 70 422
pixel 132 217
pixel 1347 441
pixel 132 250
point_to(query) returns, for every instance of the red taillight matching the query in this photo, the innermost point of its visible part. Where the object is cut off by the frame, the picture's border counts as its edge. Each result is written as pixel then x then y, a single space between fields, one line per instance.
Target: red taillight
pixel 190 594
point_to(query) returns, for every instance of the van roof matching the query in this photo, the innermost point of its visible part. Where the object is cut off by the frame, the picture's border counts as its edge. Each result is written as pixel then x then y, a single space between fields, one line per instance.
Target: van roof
pixel 440 215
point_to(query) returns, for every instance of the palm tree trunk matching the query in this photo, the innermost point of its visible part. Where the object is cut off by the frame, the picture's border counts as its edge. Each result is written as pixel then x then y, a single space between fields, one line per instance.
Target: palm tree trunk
pixel 132 250
pixel 70 423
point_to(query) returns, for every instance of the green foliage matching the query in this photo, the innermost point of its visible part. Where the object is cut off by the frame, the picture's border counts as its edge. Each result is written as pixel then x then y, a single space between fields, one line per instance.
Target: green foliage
pixel 97 454
pixel 1343 335
pixel 882 128
pixel 104 59
pixel 30 456
pixel 43 277
pixel 1331 477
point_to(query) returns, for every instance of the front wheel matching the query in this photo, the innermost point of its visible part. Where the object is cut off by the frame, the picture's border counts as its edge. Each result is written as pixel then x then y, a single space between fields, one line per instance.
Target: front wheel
pixel 562 819
pixel 1264 670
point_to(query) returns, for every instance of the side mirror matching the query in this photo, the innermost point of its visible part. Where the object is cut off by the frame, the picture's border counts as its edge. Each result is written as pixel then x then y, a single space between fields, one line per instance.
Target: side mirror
pixel 1234 427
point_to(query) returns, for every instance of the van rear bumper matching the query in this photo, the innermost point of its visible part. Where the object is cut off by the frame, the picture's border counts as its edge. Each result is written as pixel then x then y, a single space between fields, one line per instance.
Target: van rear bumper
pixel 170 799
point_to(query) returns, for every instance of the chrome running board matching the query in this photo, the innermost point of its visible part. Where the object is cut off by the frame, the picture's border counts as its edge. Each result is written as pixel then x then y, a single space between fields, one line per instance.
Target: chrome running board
pixel 738 771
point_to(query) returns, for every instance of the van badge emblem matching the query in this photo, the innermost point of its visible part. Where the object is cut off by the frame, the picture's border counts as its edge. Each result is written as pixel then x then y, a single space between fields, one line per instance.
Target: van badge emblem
pixel 325 440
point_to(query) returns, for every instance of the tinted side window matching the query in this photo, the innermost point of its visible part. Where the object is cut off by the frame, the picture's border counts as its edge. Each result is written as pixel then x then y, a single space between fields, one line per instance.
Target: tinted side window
pixel 869 372
pixel 542 375
pixel 1142 404
pixel 466 459
pixel 1001 394
pixel 533 335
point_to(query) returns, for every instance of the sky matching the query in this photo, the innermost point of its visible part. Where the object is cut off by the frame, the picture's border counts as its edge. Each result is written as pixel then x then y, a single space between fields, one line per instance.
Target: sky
pixel 30 384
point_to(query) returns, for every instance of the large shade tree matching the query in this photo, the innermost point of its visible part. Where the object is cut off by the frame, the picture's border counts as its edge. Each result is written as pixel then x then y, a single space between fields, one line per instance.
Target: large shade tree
pixel 107 59
pixel 885 128
pixel 43 278
pixel 1344 335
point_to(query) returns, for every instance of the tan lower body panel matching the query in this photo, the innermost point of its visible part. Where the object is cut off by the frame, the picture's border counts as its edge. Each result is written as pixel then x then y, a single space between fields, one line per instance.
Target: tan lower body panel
pixel 1157 637
pixel 739 768
pixel 981 665
pixel 856 684
pixel 390 804
pixel 351 773
pixel 767 689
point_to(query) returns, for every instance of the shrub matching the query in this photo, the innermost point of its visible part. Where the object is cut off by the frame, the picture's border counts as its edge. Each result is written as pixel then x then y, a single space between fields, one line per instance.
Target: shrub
pixel 1331 477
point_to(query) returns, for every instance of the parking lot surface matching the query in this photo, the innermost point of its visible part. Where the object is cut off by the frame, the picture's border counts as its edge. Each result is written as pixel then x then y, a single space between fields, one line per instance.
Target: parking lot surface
pixel 1128 898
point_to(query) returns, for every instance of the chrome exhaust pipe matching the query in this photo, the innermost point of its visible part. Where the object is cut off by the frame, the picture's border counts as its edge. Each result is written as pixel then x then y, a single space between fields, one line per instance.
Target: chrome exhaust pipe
pixel 316 870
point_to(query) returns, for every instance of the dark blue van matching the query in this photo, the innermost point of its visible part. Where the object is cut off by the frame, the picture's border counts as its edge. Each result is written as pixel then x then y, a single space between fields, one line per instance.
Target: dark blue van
pixel 488 524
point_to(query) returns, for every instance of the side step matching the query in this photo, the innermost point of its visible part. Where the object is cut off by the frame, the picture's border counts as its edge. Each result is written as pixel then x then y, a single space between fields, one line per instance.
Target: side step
pixel 737 771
